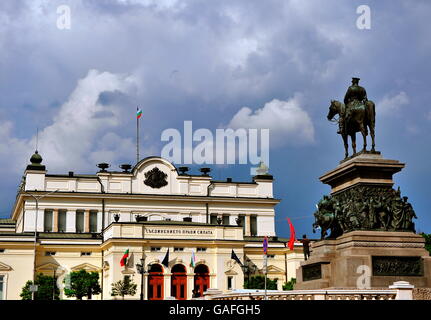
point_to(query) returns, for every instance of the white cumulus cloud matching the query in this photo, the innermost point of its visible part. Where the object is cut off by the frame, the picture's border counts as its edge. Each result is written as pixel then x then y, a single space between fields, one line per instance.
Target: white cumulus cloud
pixel 287 121
pixel 79 136
pixel 392 104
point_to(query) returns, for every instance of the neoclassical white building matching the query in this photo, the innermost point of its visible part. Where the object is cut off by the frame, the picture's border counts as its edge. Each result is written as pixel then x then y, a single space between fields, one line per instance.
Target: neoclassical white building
pixel 89 221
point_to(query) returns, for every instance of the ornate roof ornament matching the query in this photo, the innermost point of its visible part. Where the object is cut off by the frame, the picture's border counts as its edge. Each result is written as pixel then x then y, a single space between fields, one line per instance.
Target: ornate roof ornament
pixel 155 178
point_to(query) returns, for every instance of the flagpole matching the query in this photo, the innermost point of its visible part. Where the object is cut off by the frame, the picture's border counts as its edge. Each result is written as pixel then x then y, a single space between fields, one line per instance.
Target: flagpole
pixel 266 268
pixel 137 138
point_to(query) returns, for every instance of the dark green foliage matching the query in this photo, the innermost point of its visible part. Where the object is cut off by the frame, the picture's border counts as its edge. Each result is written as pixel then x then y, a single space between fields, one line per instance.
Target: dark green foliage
pixel 258 282
pixel 427 241
pixel 45 290
pixel 289 284
pixel 123 288
pixel 82 283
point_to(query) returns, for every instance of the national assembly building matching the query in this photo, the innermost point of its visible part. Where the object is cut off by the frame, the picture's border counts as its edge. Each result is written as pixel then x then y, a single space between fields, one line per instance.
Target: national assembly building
pixel 182 229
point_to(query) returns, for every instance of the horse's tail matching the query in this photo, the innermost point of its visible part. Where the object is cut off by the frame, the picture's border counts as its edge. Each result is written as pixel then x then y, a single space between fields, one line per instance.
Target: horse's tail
pixel 371 113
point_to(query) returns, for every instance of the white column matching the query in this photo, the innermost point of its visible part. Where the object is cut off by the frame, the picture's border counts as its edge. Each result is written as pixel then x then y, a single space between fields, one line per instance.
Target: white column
pixel 70 221
pixel 167 285
pixel 190 286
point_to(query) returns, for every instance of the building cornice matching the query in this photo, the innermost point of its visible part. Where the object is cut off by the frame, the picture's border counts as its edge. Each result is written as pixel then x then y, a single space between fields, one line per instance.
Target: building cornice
pixel 140 196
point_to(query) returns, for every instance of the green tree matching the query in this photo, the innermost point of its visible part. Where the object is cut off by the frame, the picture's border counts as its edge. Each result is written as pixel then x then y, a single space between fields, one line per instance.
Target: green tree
pixel 47 289
pixel 124 287
pixel 427 241
pixel 258 282
pixel 82 283
pixel 289 284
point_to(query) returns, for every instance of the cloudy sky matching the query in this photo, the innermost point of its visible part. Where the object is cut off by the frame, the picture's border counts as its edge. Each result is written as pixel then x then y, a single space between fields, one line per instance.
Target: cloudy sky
pixel 240 64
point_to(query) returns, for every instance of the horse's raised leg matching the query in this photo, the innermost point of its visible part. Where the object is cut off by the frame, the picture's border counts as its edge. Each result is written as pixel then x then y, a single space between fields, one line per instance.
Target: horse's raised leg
pixel 346 146
pixel 353 136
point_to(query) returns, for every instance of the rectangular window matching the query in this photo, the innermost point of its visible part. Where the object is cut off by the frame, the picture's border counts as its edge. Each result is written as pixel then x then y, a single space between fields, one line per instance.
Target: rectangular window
pixel 79 221
pixel 253 225
pixel 178 249
pixel 93 221
pixel 226 219
pixel 85 254
pixel 229 282
pixel 47 220
pixel 213 219
pixel 62 220
pixel 155 249
pixel 1 287
pixel 201 249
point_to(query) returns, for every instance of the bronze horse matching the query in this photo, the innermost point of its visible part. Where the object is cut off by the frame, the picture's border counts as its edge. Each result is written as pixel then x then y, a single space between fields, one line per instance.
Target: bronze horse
pixel 359 119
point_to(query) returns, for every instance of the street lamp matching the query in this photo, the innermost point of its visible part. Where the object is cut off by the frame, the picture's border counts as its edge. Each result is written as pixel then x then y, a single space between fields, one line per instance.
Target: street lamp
pixel 35 231
pixel 141 270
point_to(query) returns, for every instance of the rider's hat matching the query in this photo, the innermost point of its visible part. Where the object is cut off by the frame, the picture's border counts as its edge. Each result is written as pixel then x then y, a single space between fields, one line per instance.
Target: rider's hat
pixel 355 79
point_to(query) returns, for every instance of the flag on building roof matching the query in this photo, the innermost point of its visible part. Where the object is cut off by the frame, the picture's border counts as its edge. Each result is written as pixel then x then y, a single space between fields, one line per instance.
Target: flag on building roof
pixel 123 260
pixel 265 245
pixel 165 261
pixel 235 257
pixel 193 260
pixel 138 112
pixel 292 239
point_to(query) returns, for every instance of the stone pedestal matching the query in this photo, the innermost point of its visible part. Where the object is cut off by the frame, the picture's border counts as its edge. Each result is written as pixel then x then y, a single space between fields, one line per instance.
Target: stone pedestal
pixel 367 168
pixel 373 241
pixel 366 259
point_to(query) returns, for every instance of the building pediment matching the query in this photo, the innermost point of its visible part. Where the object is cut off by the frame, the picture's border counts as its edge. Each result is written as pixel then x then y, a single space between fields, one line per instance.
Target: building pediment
pixel 87 267
pixel 49 267
pixel 274 269
pixel 5 267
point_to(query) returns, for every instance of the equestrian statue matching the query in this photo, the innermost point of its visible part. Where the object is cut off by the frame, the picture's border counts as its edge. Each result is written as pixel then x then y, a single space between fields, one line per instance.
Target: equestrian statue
pixel 357 114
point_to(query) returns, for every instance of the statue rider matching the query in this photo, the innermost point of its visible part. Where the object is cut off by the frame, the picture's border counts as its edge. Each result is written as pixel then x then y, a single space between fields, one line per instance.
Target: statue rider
pixel 355 96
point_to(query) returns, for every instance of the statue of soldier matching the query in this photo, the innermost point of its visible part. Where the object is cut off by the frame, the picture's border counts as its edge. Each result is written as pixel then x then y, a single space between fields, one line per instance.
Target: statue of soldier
pixel 355 96
pixel 409 214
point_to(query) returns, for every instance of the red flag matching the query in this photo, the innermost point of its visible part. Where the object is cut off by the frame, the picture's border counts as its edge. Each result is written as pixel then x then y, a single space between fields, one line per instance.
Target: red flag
pixel 292 239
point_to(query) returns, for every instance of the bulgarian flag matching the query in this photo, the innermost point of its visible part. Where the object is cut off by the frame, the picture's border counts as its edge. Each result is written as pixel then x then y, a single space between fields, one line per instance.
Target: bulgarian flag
pixel 193 260
pixel 124 258
pixel 138 113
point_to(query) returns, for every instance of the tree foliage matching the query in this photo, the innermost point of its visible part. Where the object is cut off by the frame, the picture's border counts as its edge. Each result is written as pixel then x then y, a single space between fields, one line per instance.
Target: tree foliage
pixel 258 282
pixel 124 287
pixel 47 289
pixel 289 284
pixel 82 283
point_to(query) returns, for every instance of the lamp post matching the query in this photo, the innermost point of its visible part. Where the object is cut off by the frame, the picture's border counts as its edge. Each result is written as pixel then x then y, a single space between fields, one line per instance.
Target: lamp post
pixel 247 268
pixel 141 270
pixel 35 231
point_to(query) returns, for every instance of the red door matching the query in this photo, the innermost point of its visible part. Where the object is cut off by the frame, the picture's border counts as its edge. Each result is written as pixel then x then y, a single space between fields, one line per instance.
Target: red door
pixel 179 282
pixel 155 283
pixel 202 279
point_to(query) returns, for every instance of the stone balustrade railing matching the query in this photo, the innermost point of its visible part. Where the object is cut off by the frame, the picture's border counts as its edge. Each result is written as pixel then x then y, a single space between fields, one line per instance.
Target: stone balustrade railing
pixel 400 290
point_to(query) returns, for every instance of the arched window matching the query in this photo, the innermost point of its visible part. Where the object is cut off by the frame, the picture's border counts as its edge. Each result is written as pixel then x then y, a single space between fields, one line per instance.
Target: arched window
pixel 179 282
pixel 201 280
pixel 155 282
